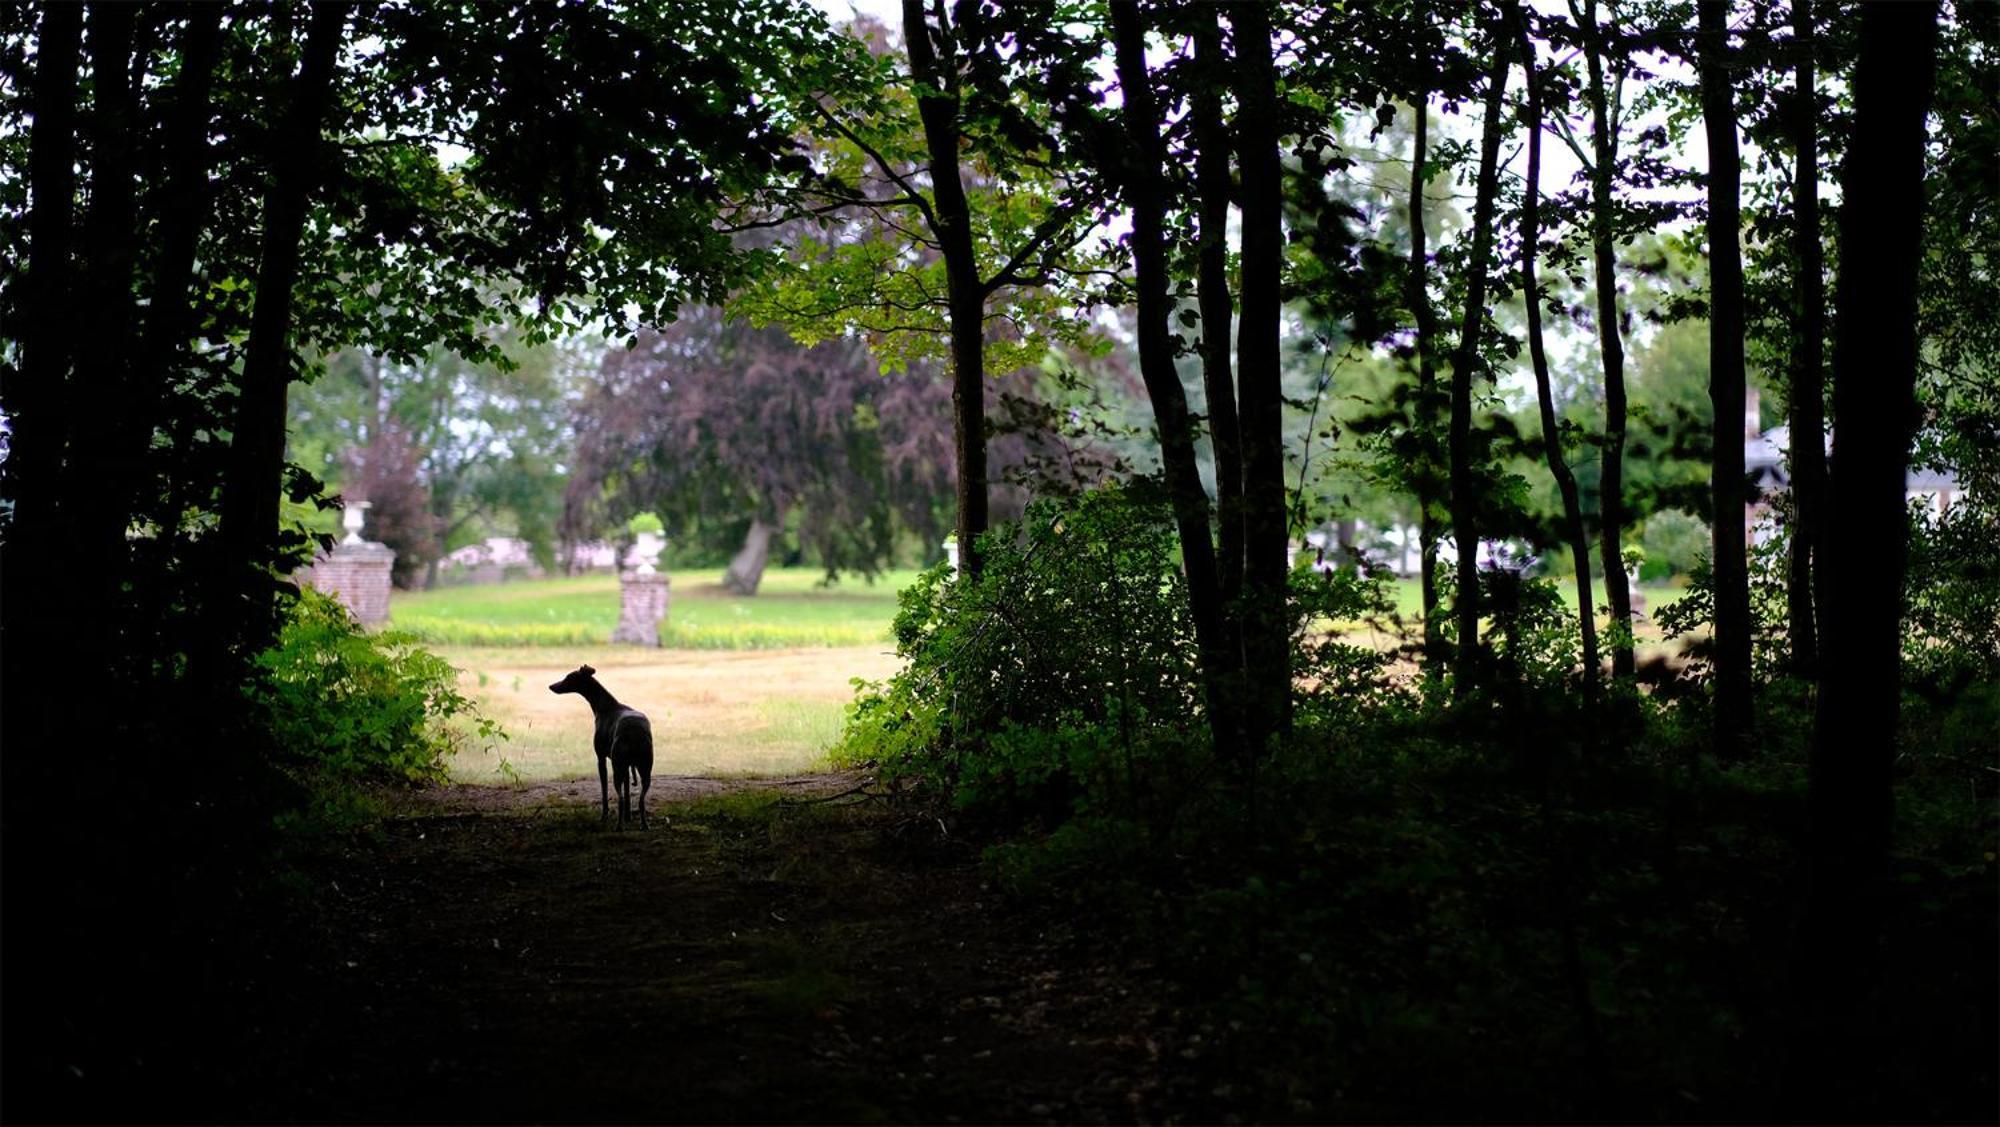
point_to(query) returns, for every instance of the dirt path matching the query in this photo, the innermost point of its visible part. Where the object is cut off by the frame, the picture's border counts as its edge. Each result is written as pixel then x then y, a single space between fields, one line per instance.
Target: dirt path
pixel 494 954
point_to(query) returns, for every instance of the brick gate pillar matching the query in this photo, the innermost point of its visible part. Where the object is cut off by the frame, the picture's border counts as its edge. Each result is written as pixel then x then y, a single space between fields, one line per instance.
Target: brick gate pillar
pixel 642 607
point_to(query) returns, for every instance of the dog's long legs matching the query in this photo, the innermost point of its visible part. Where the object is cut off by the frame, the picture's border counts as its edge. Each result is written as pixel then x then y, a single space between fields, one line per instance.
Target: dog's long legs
pixel 603 788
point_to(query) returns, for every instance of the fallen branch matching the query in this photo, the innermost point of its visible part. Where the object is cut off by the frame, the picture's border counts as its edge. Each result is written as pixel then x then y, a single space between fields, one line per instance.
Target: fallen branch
pixel 863 786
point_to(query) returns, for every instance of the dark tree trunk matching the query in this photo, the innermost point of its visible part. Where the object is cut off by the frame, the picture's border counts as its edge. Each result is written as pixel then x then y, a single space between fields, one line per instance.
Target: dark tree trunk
pixel 1218 308
pixel 36 395
pixel 1807 403
pixel 1464 502
pixel 1531 297
pixel 91 524
pixel 1611 345
pixel 33 610
pixel 966 297
pixel 1842 1050
pixel 37 392
pixel 181 200
pixel 1426 469
pixel 1266 633
pixel 257 448
pixel 1146 198
pixel 107 256
pixel 120 457
pixel 1726 382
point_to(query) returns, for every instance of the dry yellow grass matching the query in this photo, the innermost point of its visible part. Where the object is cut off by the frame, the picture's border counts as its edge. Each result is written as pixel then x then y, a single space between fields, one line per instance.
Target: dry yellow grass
pixel 749 712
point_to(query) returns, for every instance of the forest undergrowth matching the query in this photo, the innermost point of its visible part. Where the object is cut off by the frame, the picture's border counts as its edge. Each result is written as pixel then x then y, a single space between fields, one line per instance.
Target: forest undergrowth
pixel 1505 905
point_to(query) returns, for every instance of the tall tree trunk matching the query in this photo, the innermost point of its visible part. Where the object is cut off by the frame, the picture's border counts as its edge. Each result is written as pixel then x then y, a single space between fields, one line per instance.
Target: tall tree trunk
pixel 1218 307
pixel 90 529
pixel 1860 682
pixel 257 449
pixel 1611 346
pixel 746 568
pixel 1266 633
pixel 32 611
pixel 36 394
pixel 966 297
pixel 1806 402
pixel 107 256
pixel 1726 391
pixel 122 454
pixel 1146 197
pixel 1426 469
pixel 1531 297
pixel 1464 502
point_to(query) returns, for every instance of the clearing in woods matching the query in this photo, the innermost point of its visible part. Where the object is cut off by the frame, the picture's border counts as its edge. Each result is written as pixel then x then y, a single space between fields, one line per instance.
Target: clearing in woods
pixel 771 950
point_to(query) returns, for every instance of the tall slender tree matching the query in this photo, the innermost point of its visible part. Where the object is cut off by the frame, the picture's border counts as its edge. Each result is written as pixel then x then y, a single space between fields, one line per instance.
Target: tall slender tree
pixel 1146 198
pixel 1213 148
pixel 1806 398
pixel 1532 298
pixel 950 217
pixel 1726 388
pixel 1852 802
pixel 1467 359
pixel 1424 314
pixel 1266 634
pixel 257 450
pixel 1603 165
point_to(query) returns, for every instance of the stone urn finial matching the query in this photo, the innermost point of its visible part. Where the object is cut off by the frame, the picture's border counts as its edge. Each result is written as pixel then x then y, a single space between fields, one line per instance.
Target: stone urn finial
pixel 352 518
pixel 646 549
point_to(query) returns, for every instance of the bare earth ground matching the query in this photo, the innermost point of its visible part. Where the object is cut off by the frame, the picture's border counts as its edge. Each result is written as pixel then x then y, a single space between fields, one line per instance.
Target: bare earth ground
pixel 765 712
pixel 495 954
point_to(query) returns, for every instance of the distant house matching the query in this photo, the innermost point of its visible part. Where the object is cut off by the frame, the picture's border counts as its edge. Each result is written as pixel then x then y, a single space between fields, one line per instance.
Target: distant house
pixel 1764 462
pixel 492 560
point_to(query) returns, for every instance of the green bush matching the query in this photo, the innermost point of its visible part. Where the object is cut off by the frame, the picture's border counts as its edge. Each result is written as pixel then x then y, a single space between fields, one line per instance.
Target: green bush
pixel 346 708
pixel 1064 678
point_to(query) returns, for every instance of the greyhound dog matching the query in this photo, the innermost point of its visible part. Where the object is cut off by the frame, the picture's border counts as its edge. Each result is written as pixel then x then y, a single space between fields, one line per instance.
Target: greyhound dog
pixel 624 736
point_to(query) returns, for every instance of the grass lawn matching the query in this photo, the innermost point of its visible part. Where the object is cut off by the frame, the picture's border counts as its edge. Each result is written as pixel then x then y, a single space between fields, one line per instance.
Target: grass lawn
pixel 791 609
pixel 743 686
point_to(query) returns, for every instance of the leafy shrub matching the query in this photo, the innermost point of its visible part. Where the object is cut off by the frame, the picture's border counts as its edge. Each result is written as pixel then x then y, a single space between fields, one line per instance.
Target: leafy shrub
pixel 1675 541
pixel 1952 593
pixel 1338 679
pixel 1064 676
pixel 346 707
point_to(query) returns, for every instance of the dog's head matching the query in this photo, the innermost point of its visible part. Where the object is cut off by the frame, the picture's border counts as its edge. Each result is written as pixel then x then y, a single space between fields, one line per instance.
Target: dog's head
pixel 575 682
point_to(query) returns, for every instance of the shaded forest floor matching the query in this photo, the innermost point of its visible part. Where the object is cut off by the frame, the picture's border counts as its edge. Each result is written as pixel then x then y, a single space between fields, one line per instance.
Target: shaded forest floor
pixel 494 954
pixel 786 950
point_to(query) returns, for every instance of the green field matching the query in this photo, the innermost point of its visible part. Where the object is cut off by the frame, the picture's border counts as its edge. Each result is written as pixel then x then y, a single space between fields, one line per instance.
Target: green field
pixel 792 608
pixel 742 686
